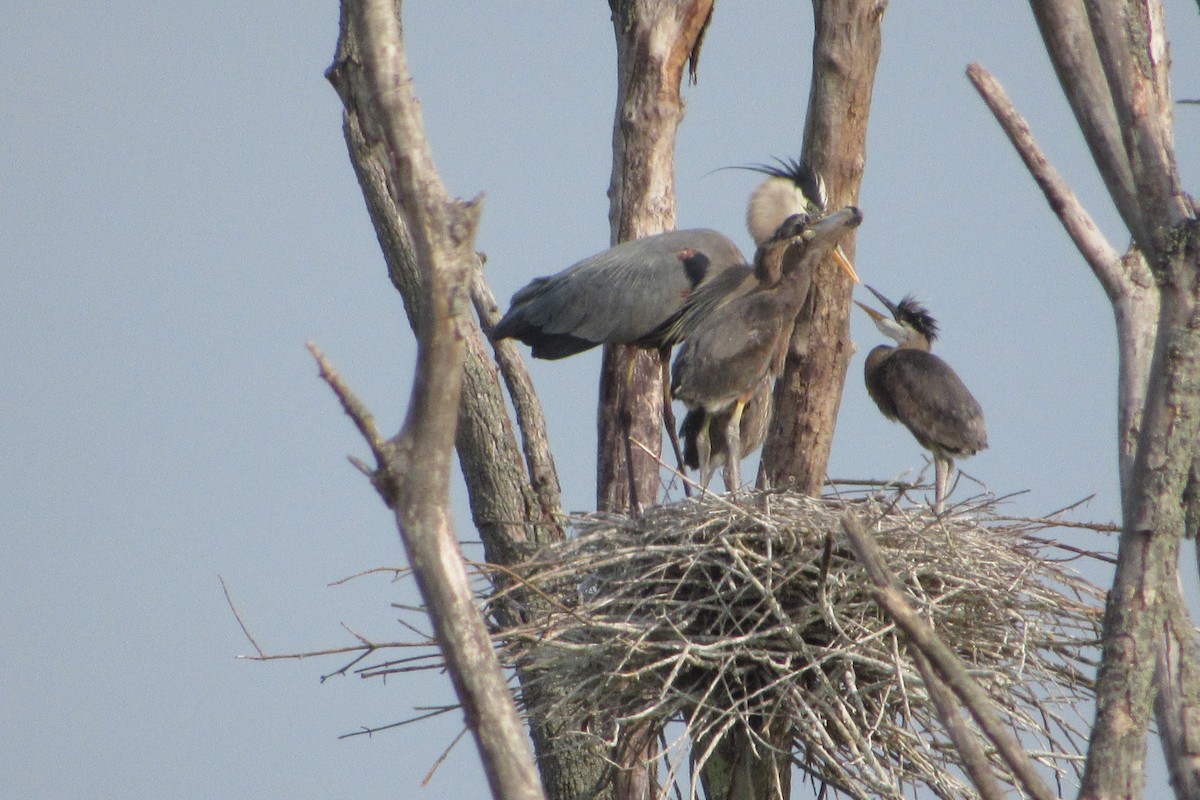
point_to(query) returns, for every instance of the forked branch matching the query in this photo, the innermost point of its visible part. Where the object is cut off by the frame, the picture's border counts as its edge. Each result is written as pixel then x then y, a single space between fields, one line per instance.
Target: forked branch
pixel 413 468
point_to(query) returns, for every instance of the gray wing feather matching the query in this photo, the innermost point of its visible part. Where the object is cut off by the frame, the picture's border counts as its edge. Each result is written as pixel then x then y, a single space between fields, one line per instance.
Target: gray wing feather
pixel 619 295
pixel 727 285
pixel 934 404
pixel 729 355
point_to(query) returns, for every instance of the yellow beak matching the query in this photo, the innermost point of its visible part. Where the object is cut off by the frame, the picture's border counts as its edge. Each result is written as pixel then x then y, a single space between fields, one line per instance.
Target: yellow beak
pixel 875 315
pixel 844 263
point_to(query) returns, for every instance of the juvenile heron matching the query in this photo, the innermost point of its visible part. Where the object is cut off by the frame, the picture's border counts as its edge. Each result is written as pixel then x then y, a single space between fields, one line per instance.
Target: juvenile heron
pixel 912 385
pixel 752 430
pixel 743 342
pixel 635 292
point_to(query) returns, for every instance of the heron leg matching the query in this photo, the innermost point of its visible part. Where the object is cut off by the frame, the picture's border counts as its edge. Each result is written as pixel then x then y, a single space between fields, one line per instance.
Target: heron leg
pixel 943 468
pixel 733 449
pixel 664 357
pixel 704 452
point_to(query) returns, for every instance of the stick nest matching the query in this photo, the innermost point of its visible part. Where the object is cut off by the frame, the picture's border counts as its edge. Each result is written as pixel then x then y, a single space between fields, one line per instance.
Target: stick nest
pixel 755 617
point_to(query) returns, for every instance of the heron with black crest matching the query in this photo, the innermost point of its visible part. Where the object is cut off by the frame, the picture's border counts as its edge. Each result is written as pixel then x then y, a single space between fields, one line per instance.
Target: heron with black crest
pixel 655 291
pixel 913 386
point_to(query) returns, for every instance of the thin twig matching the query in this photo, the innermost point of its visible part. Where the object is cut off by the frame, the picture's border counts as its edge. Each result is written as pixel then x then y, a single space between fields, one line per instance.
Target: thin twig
pixel 238 617
pixel 440 759
pixel 399 572
pixel 420 717
pixel 351 404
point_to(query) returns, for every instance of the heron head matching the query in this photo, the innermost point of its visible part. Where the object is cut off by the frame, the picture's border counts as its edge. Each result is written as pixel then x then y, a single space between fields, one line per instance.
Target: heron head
pixel 909 323
pixel 810 239
pixel 789 188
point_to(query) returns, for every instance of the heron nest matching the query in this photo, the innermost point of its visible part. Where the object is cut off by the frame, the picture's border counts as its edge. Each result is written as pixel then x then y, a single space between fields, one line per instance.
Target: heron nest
pixel 751 617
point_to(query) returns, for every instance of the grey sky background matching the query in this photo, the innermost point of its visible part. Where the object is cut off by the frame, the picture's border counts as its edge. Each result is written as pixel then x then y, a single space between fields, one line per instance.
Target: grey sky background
pixel 178 216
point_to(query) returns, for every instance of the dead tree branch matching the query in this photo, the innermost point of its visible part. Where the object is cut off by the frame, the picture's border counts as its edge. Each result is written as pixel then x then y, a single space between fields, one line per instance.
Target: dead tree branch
pixel 506 510
pixel 1126 279
pixel 948 666
pixel 1101 256
pixel 968 744
pixel 1113 63
pixel 413 468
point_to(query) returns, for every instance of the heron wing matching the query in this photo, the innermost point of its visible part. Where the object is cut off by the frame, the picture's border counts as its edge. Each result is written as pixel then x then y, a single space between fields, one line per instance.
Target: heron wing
pixel 933 403
pixel 704 300
pixel 616 296
pixel 729 353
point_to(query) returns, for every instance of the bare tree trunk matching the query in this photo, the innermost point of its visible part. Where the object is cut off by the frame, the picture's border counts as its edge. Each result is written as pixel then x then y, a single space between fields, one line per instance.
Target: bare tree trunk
pixel 1113 63
pixel 655 41
pixel 846 45
pixel 807 395
pixel 1178 698
pixel 1147 569
pixel 514 496
pixel 443 232
pixel 491 460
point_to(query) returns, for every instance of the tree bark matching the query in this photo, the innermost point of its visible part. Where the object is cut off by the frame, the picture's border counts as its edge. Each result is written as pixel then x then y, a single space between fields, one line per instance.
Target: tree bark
pixel 507 514
pixel 1112 61
pixel 655 41
pixel 1178 699
pixel 511 507
pixel 846 46
pixel 413 468
pixel 1147 563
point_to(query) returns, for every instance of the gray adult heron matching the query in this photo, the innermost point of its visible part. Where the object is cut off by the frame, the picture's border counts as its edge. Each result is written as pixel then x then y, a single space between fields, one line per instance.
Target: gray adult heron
pixel 913 386
pixel 724 362
pixel 636 292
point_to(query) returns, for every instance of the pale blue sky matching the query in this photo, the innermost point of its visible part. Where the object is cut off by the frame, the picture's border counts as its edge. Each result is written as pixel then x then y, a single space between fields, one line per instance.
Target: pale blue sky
pixel 179 216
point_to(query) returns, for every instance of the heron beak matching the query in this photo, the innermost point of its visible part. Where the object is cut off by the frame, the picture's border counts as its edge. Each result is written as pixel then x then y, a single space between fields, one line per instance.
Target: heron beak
pixel 829 229
pixel 840 257
pixel 888 326
pixel 875 315
pixel 890 305
pixel 819 238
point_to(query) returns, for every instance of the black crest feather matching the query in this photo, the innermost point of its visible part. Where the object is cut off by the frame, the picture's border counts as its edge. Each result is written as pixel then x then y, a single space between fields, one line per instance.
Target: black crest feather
pixel 911 313
pixel 799 173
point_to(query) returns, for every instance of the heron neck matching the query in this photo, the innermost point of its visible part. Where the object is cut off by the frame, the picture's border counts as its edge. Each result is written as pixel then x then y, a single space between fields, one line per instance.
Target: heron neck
pixel 768 263
pixel 917 342
pixel 793 286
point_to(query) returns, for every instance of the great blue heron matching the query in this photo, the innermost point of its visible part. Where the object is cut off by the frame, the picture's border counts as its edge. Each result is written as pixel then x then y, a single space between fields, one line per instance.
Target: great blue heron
pixel 912 385
pixel 653 291
pixel 742 343
pixel 635 291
